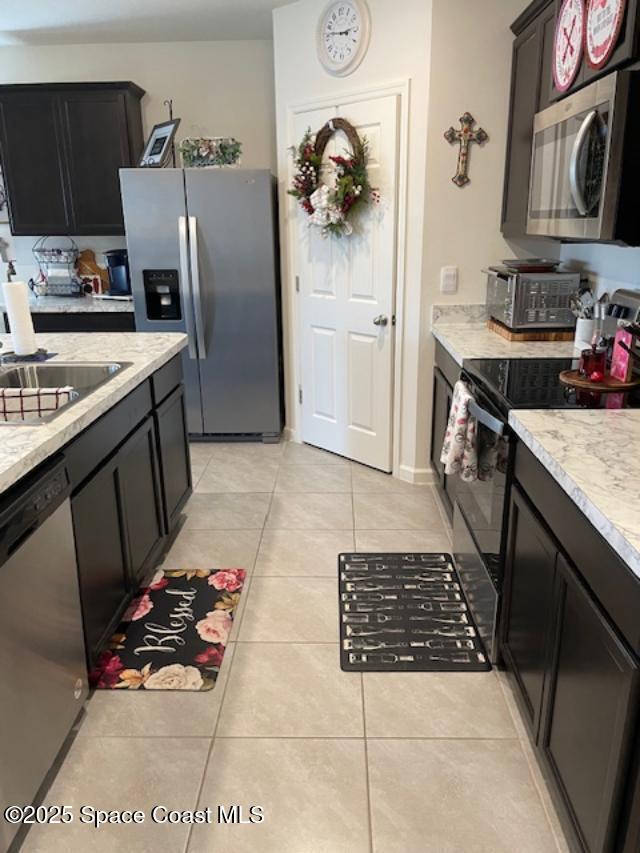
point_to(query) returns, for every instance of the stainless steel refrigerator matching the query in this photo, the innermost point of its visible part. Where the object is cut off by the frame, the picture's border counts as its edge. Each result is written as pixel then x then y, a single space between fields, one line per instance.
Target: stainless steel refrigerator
pixel 203 259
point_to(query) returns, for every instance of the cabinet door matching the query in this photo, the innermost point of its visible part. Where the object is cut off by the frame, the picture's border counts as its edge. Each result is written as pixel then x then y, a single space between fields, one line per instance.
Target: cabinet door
pixel 100 549
pixel 442 395
pixel 527 616
pixel 547 29
pixel 591 705
pixel 97 146
pixel 141 498
pixel 30 143
pixel 173 447
pixel 524 101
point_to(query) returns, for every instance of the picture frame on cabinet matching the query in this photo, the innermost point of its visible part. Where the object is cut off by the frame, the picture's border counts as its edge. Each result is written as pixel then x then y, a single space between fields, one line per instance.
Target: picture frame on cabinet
pixel 158 147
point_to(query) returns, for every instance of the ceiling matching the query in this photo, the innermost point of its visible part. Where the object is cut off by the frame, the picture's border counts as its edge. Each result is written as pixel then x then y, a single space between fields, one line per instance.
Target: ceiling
pixel 38 22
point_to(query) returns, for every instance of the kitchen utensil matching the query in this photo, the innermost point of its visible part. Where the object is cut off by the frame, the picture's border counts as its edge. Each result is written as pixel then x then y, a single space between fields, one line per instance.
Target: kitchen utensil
pixel 383 658
pixel 370 618
pixel 435 577
pixel 445 632
pixel 462 619
pixel 364 631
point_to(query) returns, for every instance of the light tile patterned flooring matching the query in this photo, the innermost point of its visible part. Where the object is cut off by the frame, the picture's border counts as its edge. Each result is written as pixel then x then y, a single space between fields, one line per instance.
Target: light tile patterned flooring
pixel 340 762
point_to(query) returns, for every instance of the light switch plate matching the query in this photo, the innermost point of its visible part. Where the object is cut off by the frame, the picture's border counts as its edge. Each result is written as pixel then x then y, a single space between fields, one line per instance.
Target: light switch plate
pixel 449 280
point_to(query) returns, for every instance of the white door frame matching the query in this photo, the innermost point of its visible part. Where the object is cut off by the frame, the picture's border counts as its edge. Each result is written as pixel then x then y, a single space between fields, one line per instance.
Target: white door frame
pixel 402 89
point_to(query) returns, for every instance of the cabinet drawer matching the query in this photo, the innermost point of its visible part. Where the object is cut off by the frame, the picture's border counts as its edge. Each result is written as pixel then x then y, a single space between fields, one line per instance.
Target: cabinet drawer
pixel 612 582
pixel 165 380
pixel 99 440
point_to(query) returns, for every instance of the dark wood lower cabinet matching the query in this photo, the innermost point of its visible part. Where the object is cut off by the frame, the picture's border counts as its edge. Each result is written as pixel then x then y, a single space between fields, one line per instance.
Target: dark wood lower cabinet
pixel 142 499
pixel 442 395
pixel 126 504
pixel 574 669
pixel 173 452
pixel 80 321
pixel 527 619
pixel 593 693
pixel 100 550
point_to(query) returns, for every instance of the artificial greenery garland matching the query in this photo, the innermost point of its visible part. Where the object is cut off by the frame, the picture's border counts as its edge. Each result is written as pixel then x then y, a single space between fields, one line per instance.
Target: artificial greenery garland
pixel 332 208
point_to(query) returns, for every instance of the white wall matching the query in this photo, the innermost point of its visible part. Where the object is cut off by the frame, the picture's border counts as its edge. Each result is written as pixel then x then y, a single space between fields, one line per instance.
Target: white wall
pixel 470 71
pixel 218 88
pixel 399 50
pixel 609 267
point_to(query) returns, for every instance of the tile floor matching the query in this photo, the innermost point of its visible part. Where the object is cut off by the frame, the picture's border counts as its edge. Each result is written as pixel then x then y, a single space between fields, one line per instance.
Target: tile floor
pixel 340 762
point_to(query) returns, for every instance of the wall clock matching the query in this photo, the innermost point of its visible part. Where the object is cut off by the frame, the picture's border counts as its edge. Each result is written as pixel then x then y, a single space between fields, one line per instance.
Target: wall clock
pixel 343 35
pixel 567 46
pixel 604 21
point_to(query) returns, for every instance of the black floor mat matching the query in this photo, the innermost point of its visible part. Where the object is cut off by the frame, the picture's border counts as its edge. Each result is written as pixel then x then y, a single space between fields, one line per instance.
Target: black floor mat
pixel 405 613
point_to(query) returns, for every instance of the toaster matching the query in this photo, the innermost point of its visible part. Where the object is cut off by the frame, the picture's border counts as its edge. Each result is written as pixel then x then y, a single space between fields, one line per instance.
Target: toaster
pixel 531 300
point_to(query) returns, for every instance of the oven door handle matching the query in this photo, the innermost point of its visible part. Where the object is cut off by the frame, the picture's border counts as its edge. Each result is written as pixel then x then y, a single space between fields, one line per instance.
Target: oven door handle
pixel 483 417
pixel 574 163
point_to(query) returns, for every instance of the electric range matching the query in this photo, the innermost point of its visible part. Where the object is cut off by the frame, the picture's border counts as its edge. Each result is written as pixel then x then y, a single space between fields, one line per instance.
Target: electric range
pixel 481 511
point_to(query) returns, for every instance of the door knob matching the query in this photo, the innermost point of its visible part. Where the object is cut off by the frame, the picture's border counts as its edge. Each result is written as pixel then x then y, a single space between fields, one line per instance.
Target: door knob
pixel 381 320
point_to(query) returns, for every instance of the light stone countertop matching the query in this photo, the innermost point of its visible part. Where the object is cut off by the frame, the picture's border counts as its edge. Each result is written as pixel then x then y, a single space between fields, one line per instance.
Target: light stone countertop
pixel 75 305
pixel 474 340
pixel 22 448
pixel 593 455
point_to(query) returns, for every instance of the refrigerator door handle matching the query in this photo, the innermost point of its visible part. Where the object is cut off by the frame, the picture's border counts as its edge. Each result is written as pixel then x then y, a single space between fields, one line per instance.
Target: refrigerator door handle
pixel 195 278
pixel 187 303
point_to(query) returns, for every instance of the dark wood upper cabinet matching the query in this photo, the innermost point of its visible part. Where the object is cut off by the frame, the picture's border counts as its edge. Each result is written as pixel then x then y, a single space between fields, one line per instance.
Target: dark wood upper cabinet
pixel 31 147
pixel 62 146
pixel 530 93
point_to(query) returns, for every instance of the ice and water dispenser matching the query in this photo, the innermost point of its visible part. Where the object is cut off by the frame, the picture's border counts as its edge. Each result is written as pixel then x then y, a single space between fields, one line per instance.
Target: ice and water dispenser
pixel 162 294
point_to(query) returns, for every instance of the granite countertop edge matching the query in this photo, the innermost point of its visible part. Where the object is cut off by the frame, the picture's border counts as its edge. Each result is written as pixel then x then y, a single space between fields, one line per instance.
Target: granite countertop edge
pixel 23 448
pixel 473 339
pixel 617 538
pixel 76 305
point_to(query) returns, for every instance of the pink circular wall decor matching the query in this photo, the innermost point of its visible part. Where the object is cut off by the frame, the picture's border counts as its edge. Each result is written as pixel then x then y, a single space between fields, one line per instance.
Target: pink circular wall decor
pixel 602 30
pixel 568 43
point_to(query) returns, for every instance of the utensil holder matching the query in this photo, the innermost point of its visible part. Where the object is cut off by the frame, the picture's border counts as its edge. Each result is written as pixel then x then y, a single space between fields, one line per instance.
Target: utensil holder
pixel 584 333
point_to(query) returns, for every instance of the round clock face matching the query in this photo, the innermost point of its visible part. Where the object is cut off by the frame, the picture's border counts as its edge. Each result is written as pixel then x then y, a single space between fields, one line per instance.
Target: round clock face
pixel 343 35
pixel 567 52
pixel 604 21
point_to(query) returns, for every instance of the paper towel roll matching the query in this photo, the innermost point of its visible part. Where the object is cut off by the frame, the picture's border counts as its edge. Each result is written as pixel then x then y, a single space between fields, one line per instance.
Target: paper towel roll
pixel 16 303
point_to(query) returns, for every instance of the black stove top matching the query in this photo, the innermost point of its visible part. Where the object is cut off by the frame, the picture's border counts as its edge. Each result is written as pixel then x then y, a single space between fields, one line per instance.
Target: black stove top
pixel 533 383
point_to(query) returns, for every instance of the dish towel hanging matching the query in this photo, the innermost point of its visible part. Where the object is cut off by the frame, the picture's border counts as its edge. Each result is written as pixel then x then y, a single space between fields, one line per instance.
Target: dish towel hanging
pixel 23 404
pixel 459 451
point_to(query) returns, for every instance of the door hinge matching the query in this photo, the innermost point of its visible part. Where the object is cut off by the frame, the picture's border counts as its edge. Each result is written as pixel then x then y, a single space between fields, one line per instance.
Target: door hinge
pixel 300 394
pixel 393 319
pixel 297 284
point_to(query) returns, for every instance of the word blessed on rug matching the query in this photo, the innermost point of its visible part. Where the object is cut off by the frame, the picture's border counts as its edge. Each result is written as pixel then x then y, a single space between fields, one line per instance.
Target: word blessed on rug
pixel 174 634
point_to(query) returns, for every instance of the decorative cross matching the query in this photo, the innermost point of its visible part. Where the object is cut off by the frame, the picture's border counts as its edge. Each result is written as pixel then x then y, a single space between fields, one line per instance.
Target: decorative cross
pixel 465 136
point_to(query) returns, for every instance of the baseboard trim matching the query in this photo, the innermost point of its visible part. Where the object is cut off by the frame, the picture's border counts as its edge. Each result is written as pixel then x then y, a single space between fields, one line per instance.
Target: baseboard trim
pixel 289 434
pixel 417 476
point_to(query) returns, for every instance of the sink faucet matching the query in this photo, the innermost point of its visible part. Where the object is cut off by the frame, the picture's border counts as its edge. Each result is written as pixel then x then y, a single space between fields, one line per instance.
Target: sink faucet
pixel 11 270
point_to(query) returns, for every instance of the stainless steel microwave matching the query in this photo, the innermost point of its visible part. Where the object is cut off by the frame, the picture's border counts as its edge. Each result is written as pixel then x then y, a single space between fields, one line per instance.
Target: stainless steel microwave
pixel 585 164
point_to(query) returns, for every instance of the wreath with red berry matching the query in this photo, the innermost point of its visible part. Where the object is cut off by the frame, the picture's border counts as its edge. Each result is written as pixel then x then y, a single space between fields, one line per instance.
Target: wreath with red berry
pixel 332 208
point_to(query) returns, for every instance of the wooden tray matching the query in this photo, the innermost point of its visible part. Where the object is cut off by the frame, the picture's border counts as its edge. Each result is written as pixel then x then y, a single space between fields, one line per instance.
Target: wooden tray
pixel 608 386
pixel 530 335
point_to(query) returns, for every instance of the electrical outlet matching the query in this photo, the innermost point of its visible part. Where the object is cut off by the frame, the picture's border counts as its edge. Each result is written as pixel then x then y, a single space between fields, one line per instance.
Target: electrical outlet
pixel 449 280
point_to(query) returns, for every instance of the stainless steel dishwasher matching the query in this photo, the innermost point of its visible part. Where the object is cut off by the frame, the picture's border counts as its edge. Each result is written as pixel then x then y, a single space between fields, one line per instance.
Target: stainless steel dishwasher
pixel 42 658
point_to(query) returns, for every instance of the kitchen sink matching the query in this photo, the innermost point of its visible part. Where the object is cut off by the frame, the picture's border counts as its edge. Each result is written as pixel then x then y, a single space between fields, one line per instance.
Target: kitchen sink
pixel 83 378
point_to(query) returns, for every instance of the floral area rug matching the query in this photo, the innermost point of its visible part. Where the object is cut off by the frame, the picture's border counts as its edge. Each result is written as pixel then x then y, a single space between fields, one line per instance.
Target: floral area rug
pixel 174 634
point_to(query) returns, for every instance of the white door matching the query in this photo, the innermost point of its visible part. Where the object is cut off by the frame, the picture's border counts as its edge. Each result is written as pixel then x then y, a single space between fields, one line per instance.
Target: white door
pixel 346 285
